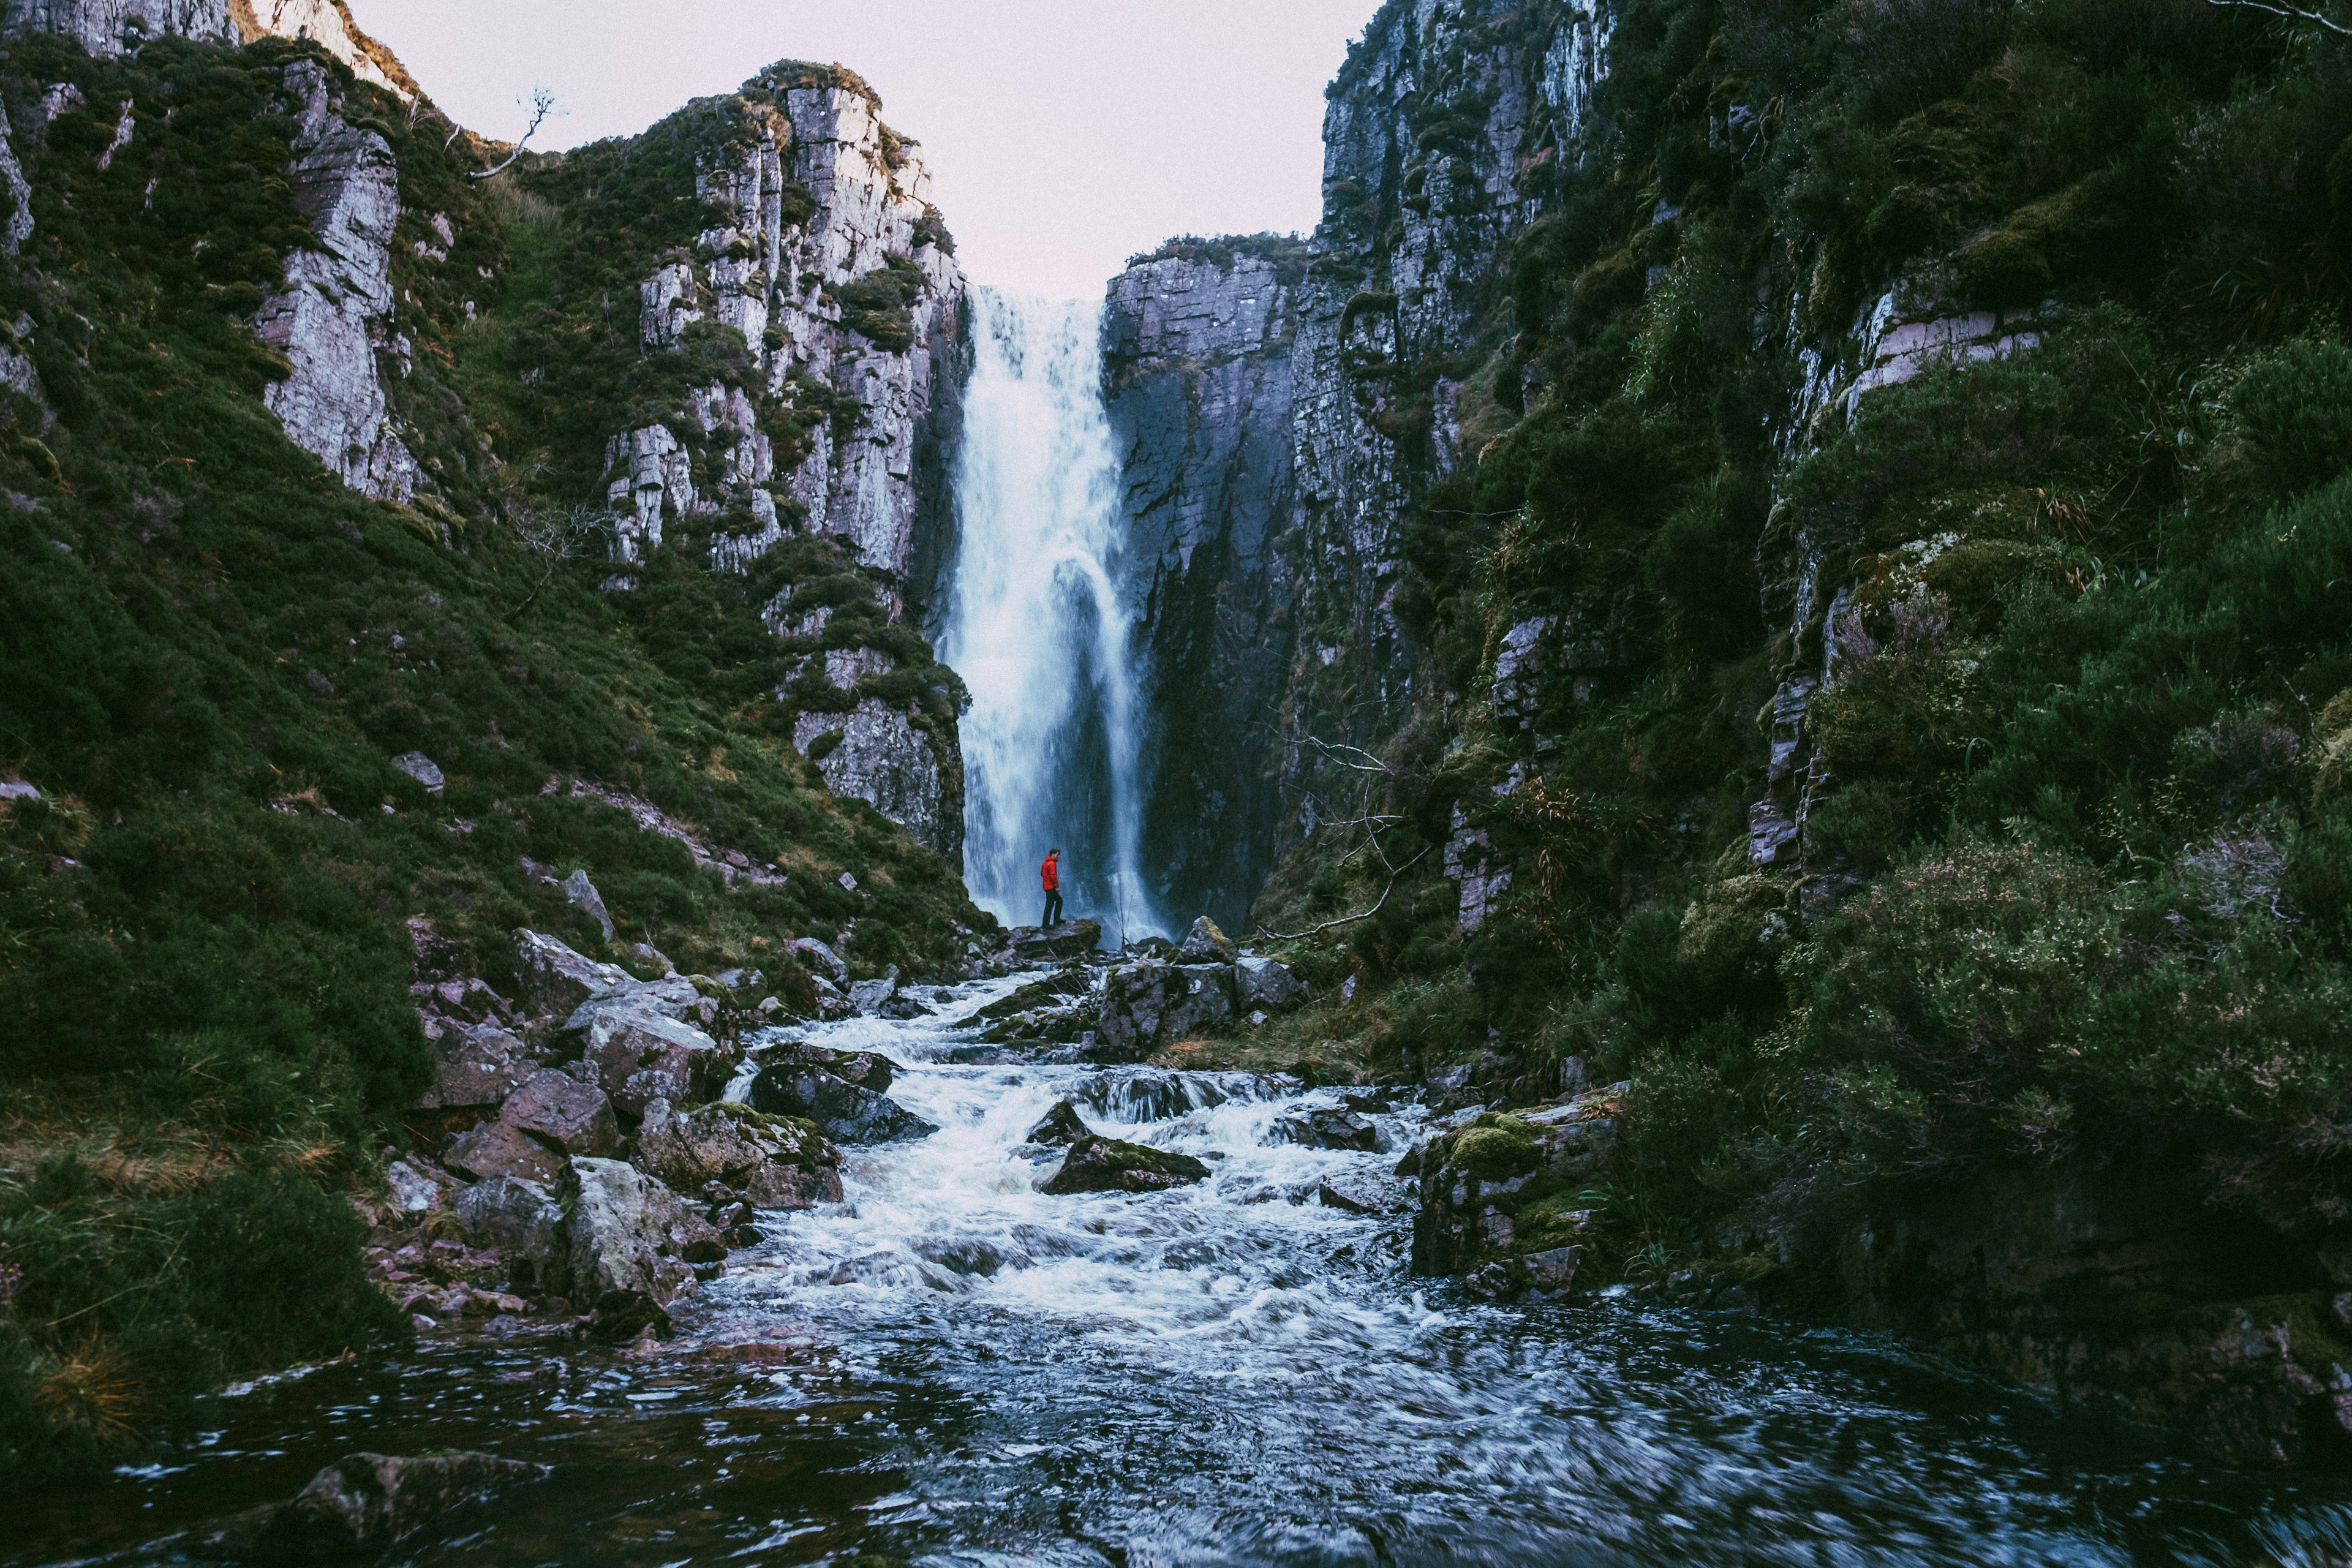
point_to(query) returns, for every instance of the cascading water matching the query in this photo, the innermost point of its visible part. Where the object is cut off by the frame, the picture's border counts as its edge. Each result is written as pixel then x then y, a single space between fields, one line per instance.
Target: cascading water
pixel 1035 624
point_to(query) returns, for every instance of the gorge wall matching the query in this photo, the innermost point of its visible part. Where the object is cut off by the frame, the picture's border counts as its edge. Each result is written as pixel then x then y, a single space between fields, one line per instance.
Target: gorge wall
pixel 1730 493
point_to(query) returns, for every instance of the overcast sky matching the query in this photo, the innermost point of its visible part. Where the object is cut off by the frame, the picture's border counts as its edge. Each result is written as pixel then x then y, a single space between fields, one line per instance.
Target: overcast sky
pixel 1062 135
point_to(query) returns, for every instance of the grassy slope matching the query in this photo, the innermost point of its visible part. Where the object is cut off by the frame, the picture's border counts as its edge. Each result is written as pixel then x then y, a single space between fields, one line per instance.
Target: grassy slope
pixel 211 652
pixel 2086 843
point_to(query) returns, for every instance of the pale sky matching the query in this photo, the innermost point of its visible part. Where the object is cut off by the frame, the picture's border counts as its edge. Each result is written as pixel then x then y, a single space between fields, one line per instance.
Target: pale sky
pixel 1062 135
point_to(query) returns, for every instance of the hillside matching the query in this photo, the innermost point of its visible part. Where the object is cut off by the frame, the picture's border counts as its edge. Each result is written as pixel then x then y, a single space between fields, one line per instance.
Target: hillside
pixel 1815 586
pixel 315 645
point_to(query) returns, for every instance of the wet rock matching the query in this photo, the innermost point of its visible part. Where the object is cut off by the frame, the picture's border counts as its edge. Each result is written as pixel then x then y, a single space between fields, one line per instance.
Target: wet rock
pixel 870 995
pixel 625 1231
pixel 1267 984
pixel 640 1056
pixel 1052 1025
pixel 1041 944
pixel 367 1503
pixel 519 1217
pixel 1204 943
pixel 1059 1127
pixel 1328 1126
pixel 561 1112
pixel 1153 1096
pixel 867 1069
pixel 843 1112
pixel 672 996
pixel 1338 1197
pixel 557 980
pixel 497 1148
pixel 1099 1165
pixel 621 1316
pixel 774 1163
pixel 878 756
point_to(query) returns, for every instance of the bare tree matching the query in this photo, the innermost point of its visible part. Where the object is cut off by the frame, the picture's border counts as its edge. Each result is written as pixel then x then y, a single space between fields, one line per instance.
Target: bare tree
pixel 561 535
pixel 543 104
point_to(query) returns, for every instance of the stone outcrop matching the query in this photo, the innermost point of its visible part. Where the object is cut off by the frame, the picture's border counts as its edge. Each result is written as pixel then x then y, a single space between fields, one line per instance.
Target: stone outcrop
pixel 332 321
pixel 1196 357
pixel 625 1233
pixel 329 24
pixel 845 1112
pixel 874 754
pixel 774 1163
pixel 110 27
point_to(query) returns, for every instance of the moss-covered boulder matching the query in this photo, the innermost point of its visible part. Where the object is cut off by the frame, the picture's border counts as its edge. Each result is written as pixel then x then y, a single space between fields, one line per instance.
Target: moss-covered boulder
pixel 1099 1165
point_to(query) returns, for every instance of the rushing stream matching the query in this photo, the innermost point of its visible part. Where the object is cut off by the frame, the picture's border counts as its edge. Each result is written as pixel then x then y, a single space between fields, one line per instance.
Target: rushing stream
pixel 953 1368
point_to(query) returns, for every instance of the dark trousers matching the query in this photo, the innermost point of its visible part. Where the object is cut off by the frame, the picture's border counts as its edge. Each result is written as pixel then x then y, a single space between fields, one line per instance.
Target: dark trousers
pixel 1052 906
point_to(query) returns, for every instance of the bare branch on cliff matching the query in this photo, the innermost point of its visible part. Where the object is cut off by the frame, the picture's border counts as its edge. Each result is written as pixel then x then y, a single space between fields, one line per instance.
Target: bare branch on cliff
pixel 2292 13
pixel 543 104
pixel 1349 920
pixel 1333 751
pixel 562 535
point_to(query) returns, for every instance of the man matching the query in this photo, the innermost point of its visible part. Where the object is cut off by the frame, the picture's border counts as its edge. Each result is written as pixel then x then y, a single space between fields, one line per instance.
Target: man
pixel 1052 873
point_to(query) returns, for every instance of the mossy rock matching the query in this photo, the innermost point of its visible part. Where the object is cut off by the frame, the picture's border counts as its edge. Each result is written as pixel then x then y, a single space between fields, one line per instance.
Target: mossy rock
pixel 1494 1148
pixel 1099 1165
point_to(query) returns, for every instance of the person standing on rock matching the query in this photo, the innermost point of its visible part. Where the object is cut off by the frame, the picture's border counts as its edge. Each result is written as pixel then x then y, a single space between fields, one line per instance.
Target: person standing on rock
pixel 1051 871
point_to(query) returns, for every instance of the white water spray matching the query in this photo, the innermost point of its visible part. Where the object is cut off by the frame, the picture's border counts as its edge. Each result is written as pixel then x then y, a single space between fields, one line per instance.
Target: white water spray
pixel 1035 624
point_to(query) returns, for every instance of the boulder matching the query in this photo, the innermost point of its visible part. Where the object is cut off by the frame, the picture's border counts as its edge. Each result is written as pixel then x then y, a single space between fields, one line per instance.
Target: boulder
pixel 1267 984
pixel 1203 997
pixel 626 1232
pixel 832 1001
pixel 820 959
pixel 1099 1165
pixel 1071 938
pixel 774 1163
pixel 640 1056
pixel 1328 1126
pixel 1060 1126
pixel 413 1189
pixel 554 979
pixel 363 1503
pixel 671 996
pixel 1204 943
pixel 520 1219
pixel 476 1065
pixel 867 1069
pixel 561 1112
pixel 1135 999
pixel 499 1148
pixel 868 997
pixel 843 1112
pixel 582 892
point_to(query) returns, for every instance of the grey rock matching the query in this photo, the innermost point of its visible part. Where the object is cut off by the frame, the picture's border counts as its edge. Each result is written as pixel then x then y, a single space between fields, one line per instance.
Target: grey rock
pixel 476 1065
pixel 841 1111
pixel 512 1214
pixel 1267 984
pixel 1099 1165
pixel 827 961
pixel 497 1148
pixel 328 318
pixel 563 1112
pixel 412 1190
pixel 1043 944
pixel 879 757
pixel 626 1233
pixel 555 979
pixel 775 1163
pixel 1206 944
pixel 867 1069
pixel 108 28
pixel 1328 1126
pixel 582 893
pixel 421 768
pixel 639 1056
pixel 869 996
pixel 1061 1126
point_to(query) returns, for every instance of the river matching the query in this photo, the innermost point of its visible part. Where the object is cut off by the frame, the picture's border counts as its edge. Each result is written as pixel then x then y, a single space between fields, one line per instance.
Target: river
pixel 951 1367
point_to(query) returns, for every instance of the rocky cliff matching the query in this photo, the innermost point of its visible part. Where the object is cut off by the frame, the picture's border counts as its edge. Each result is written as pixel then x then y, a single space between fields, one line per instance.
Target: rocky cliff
pixel 398 556
pixel 1196 356
pixel 1772 627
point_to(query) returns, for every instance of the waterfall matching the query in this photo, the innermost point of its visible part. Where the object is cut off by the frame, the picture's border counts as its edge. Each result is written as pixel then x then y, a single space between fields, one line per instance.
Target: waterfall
pixel 1036 627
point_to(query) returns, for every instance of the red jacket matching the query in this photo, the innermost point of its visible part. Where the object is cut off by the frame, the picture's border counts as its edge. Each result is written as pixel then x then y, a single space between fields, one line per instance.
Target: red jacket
pixel 1052 874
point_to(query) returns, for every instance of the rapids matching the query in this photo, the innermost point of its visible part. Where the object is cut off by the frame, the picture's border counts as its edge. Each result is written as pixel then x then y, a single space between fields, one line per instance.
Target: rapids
pixel 952 1368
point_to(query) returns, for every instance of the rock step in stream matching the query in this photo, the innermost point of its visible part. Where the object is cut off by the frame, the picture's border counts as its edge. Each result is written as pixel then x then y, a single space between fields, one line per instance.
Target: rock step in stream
pixel 1064 1311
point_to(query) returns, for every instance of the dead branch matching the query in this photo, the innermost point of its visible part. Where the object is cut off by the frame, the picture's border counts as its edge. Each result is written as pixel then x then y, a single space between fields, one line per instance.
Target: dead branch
pixel 2292 13
pixel 543 104
pixel 1349 920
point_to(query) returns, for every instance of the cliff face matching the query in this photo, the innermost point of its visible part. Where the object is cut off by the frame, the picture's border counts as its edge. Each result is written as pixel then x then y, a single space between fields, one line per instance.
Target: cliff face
pixel 1196 351
pixel 1740 532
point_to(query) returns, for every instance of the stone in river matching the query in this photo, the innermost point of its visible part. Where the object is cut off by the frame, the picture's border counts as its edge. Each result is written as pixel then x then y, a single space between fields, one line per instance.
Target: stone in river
pixel 841 1111
pixel 1099 1165
pixel 365 1503
pixel 1060 1125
